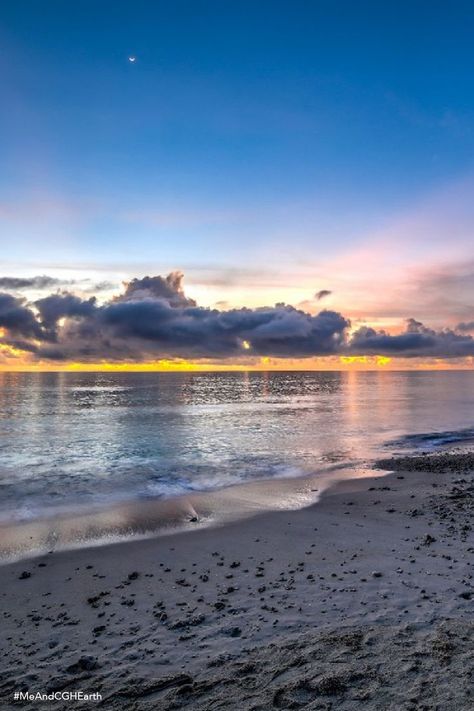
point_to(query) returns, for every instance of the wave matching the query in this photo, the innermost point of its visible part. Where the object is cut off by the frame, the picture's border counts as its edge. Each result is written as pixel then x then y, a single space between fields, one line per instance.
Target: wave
pixel 433 440
pixel 138 519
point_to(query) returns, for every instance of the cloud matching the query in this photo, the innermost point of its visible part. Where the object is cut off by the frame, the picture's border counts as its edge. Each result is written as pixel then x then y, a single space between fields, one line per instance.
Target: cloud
pixel 153 318
pixel 102 286
pixel 147 328
pixel 322 294
pixel 36 282
pixel 416 340
pixel 169 288
pixel 17 318
pixel 43 282
pixel 465 326
pixel 57 306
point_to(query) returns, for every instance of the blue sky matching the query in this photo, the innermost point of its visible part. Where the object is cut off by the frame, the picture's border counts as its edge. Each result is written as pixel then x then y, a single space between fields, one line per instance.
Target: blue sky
pixel 286 139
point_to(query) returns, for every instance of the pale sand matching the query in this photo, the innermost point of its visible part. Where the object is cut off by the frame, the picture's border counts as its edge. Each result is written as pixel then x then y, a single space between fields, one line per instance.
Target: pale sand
pixel 362 601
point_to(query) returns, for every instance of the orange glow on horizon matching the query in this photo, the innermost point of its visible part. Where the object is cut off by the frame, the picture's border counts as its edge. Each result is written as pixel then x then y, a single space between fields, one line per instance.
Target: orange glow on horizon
pixel 378 360
pixel 13 362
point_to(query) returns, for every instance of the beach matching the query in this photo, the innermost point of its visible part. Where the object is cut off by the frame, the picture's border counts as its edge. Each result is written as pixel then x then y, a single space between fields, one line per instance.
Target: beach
pixel 237 356
pixel 362 600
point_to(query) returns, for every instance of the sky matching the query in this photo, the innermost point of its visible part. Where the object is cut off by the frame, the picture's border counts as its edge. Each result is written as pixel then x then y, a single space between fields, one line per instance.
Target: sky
pixel 317 154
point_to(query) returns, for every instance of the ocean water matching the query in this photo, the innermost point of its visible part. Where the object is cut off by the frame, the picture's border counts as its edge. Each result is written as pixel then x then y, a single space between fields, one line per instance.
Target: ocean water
pixel 72 441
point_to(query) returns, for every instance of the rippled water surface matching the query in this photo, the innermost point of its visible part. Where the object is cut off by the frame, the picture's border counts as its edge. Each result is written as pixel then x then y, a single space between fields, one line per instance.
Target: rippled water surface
pixel 70 439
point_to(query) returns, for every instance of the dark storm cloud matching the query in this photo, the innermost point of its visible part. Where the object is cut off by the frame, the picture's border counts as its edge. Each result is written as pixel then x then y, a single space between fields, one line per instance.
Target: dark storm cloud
pixel 52 308
pixel 169 288
pixel 153 328
pixel 153 318
pixel 322 294
pixel 465 326
pixel 416 340
pixel 17 318
pixel 36 282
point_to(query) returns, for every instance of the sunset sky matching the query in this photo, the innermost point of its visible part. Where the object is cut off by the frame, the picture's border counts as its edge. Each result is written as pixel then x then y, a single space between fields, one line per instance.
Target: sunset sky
pixel 307 165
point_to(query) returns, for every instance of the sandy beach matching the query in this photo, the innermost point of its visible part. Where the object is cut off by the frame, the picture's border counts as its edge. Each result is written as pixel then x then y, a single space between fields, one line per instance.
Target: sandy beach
pixel 237 356
pixel 361 601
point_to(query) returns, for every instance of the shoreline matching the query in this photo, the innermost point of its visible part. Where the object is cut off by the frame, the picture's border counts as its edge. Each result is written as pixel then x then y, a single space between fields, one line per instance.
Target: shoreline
pixel 138 520
pixel 309 608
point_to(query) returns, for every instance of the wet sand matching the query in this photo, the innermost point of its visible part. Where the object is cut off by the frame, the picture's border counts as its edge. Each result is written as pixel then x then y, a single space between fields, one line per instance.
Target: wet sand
pixel 97 524
pixel 362 601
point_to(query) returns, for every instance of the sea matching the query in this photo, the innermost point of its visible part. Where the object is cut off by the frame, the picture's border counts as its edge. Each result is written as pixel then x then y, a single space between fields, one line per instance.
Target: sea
pixel 75 443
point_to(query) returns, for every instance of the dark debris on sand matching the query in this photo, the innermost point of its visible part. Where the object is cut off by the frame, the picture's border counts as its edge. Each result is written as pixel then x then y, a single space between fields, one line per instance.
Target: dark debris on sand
pixel 378 667
pixel 438 462
pixel 140 646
